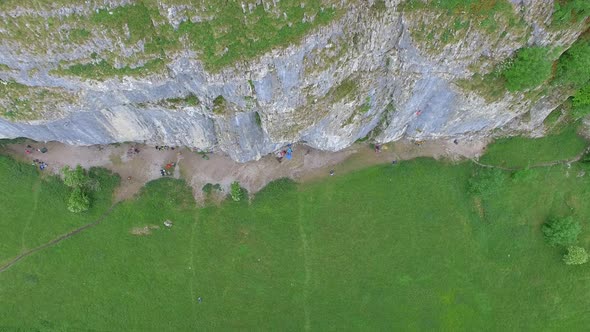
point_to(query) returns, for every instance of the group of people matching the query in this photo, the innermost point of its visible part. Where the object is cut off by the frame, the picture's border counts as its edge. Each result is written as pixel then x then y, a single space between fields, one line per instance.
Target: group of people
pixel 164 147
pixel 132 150
pixel 29 149
pixel 42 164
pixel 284 153
pixel 167 170
pixel 37 162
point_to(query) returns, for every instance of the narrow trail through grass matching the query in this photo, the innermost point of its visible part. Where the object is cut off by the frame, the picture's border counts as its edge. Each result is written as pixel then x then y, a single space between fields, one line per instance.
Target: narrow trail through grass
pixel 306 264
pixel 55 241
pixel 192 266
pixel 36 189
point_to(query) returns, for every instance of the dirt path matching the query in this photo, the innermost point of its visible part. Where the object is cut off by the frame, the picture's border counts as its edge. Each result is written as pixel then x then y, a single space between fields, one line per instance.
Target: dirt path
pixel 55 241
pixel 307 164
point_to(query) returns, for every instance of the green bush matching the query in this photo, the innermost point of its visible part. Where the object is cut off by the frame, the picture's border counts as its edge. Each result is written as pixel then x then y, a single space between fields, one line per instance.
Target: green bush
pixel 192 100
pixel 529 69
pixel 575 256
pixel 580 111
pixel 209 187
pixel 582 97
pixel 78 201
pixel 570 11
pixel 99 178
pixel 573 67
pixel 581 102
pixel 219 105
pixel 486 181
pixel 104 69
pixel 74 178
pixel 82 183
pixel 237 192
pixel 562 231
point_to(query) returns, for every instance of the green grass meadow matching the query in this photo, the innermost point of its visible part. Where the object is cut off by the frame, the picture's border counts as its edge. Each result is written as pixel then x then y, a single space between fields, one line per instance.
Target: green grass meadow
pixel 390 247
pixel 518 152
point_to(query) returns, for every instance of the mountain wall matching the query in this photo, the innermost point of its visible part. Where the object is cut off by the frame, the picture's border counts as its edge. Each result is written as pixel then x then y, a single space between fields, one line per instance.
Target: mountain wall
pixel 384 69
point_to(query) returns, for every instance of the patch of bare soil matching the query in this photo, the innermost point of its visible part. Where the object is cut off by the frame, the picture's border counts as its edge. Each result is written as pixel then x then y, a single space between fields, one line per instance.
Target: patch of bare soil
pixel 143 231
pixel 137 167
pixel 479 207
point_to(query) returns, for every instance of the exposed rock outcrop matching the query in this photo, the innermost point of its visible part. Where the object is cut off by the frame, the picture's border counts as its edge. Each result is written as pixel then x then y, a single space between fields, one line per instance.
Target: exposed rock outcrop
pixel 370 70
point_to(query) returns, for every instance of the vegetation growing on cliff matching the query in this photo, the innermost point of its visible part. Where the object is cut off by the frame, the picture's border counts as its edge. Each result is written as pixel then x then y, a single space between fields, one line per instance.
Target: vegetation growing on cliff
pixel 570 11
pixel 530 68
pixel 573 76
pixel 190 100
pixel 222 33
pixel 534 66
pixel 447 22
pixel 346 89
pixel 22 102
pixel 573 67
pixel 237 34
pixel 219 105
pixel 102 69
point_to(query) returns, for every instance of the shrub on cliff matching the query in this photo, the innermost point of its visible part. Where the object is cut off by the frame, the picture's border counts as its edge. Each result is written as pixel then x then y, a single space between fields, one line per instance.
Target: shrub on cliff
pixel 530 68
pixel 573 68
pixel 570 11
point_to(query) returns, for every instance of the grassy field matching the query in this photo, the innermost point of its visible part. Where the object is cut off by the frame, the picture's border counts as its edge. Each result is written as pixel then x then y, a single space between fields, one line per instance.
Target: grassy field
pixel 32 207
pixel 520 151
pixel 391 247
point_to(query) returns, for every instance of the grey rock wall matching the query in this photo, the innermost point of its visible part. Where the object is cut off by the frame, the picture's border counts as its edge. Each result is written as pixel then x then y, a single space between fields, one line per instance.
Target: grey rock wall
pixel 400 90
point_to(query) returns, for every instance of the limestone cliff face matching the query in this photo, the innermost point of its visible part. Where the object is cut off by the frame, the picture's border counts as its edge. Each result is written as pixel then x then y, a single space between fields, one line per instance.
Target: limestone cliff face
pixel 379 68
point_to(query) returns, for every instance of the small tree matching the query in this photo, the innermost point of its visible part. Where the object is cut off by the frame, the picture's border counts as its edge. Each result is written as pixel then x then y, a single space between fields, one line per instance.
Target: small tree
pixel 575 256
pixel 573 67
pixel 562 232
pixel 236 191
pixel 530 68
pixel 80 182
pixel 78 201
pixel 74 177
pixel 581 102
pixel 582 97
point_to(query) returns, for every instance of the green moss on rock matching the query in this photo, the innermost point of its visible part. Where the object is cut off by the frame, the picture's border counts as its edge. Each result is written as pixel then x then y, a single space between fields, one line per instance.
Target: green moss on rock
pixel 103 69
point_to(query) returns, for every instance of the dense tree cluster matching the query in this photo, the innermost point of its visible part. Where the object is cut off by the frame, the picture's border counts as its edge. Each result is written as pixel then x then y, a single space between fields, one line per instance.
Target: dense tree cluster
pixel 81 183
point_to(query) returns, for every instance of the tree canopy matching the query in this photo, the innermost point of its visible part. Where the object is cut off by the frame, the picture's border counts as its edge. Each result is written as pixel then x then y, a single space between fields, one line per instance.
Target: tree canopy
pixel 575 256
pixel 78 201
pixel 530 68
pixel 561 231
pixel 74 177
